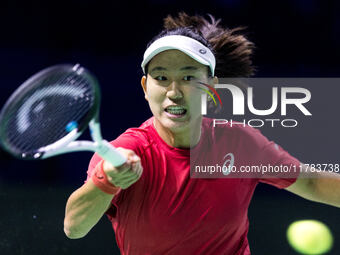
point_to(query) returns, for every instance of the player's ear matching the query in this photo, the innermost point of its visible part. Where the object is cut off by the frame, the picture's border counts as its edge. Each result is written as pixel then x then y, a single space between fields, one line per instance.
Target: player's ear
pixel 215 80
pixel 212 83
pixel 143 83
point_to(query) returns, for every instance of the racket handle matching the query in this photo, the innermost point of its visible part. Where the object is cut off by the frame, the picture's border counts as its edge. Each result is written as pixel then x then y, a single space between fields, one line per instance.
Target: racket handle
pixel 109 153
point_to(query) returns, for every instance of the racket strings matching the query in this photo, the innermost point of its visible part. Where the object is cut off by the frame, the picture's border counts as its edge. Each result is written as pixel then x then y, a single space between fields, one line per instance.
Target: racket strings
pixel 45 129
pixel 40 115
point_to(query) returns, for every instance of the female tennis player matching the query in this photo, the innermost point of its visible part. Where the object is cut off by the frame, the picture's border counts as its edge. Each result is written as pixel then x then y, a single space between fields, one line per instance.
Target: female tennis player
pixel 153 204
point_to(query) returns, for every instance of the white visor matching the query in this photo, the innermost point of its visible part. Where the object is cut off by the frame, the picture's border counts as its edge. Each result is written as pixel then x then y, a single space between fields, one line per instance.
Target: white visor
pixel 189 46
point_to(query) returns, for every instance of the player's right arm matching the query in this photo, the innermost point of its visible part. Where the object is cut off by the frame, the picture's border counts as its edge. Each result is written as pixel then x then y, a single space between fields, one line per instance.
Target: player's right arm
pixel 87 204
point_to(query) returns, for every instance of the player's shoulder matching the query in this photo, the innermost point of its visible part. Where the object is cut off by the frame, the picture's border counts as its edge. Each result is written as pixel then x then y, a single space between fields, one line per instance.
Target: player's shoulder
pixel 135 136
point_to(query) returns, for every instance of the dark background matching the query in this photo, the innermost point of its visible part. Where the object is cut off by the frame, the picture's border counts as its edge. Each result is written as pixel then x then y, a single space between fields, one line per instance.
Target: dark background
pixel 294 38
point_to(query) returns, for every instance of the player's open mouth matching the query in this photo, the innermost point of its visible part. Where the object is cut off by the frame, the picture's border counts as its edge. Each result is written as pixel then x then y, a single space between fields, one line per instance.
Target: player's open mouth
pixel 177 111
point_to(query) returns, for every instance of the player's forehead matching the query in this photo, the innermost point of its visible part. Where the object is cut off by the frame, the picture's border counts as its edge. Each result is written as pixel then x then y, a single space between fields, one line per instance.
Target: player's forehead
pixel 174 60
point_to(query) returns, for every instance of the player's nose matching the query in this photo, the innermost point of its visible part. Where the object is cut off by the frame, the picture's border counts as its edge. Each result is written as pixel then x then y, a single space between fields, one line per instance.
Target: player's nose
pixel 174 91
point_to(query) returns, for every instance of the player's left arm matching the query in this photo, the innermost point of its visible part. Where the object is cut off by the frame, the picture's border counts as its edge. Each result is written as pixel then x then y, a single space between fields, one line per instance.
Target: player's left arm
pixel 318 186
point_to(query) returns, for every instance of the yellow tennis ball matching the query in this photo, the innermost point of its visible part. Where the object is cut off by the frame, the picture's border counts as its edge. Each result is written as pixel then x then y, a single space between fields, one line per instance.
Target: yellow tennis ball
pixel 310 237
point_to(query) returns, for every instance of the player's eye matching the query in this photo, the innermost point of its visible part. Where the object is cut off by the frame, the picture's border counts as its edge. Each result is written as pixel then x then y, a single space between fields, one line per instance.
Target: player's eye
pixel 160 78
pixel 188 78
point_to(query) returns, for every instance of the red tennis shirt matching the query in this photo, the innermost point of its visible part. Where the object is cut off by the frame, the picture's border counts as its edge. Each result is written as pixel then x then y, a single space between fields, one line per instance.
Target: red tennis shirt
pixel 167 212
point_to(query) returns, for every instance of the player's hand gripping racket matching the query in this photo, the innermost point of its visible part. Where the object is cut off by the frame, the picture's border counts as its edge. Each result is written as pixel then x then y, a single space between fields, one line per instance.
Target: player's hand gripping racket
pixel 49 111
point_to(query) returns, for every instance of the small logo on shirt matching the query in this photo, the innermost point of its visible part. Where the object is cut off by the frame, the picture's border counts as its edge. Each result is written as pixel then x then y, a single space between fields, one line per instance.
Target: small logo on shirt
pixel 228 163
pixel 99 176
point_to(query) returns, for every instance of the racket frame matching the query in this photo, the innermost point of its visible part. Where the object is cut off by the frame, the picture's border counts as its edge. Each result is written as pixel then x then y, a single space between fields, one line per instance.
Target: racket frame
pixel 68 144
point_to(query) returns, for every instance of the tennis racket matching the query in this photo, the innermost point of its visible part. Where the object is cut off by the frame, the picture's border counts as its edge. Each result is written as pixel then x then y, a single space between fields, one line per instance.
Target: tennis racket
pixel 50 110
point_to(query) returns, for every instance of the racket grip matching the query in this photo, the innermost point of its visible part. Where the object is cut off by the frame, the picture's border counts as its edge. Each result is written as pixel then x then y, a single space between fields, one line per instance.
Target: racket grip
pixel 109 153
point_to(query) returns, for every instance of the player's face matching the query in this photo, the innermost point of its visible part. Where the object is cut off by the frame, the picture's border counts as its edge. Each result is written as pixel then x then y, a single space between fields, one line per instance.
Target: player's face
pixel 171 88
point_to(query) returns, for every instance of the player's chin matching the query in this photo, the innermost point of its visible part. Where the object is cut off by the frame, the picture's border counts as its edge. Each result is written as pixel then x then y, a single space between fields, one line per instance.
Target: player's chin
pixel 176 124
pixel 184 127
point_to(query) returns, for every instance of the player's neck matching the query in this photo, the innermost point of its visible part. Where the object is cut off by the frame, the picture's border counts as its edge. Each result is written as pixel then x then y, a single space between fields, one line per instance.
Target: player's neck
pixel 183 139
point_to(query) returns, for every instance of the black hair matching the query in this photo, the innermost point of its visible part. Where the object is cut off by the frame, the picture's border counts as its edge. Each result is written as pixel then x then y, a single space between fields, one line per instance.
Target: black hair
pixel 232 50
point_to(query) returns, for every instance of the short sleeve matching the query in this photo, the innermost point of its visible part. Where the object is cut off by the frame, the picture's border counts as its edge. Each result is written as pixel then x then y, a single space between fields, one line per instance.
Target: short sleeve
pixel 285 167
pixel 276 166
